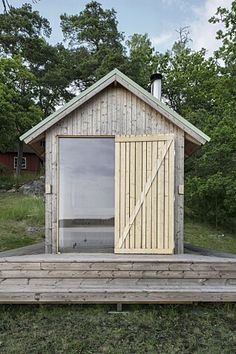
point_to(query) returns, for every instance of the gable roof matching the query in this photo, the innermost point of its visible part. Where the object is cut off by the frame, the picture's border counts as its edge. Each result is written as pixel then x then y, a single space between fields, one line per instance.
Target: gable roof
pixel 115 76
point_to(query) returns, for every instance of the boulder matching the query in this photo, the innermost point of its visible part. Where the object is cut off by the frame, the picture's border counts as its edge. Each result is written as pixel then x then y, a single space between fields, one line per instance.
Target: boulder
pixel 12 190
pixel 36 187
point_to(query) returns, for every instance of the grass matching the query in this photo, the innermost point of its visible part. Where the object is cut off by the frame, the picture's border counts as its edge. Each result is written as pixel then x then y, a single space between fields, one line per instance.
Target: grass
pixel 165 329
pixel 17 214
pixel 207 236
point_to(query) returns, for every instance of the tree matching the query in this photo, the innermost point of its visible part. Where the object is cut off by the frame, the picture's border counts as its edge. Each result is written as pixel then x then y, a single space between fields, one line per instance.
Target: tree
pixel 7 6
pixel 204 92
pixel 198 88
pixel 189 79
pixel 227 51
pixel 93 36
pixel 93 27
pixel 24 32
pixel 211 177
pixel 18 109
pixel 141 60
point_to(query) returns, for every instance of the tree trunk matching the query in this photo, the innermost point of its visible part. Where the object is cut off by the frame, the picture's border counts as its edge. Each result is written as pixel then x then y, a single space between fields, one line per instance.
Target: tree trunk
pixel 19 157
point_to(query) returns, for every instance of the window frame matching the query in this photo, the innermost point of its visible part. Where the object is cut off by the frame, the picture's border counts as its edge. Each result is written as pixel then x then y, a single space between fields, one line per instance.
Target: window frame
pixel 23 165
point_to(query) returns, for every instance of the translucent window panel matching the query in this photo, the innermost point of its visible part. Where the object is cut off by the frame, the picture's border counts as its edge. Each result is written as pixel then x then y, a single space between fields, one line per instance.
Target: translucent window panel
pixel 86 194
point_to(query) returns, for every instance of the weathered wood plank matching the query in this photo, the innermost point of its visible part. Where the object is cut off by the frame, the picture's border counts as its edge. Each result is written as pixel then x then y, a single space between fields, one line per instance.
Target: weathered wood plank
pixel 117 194
pixel 122 189
pixel 160 197
pixel 146 138
pixel 120 265
pixel 138 185
pixel 144 207
pixel 138 284
pixel 115 274
pixel 154 198
pixel 171 195
pixel 127 190
pixel 18 266
pixel 118 296
pixel 179 198
pixel 132 192
pixel 48 196
pixel 109 286
pixel 148 231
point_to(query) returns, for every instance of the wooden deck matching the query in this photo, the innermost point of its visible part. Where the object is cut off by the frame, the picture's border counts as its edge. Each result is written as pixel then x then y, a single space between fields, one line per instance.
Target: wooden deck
pixel 110 278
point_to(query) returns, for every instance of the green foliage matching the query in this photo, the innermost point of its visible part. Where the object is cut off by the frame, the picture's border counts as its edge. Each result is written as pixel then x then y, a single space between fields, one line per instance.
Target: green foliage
pixel 228 35
pixel 93 27
pixel 189 80
pixel 211 174
pixel 141 59
pixel 21 31
pixel 93 35
pixel 53 76
pixel 18 109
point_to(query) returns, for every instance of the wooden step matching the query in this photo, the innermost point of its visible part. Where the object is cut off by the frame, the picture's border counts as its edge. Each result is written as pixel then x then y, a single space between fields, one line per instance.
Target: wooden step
pixel 108 278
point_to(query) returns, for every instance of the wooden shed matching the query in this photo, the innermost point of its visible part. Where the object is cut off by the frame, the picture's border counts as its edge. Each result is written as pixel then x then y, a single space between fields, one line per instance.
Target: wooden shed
pixel 114 158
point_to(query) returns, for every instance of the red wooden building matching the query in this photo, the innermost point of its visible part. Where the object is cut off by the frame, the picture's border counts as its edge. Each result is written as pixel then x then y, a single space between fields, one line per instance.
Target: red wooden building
pixel 31 163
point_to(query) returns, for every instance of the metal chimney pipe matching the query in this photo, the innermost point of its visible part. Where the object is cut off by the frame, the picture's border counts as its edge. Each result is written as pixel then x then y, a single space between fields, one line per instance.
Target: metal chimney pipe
pixel 156 85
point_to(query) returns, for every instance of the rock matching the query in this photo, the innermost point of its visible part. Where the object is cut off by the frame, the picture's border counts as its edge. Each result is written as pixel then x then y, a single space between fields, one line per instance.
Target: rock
pixel 12 190
pixel 36 187
pixel 35 229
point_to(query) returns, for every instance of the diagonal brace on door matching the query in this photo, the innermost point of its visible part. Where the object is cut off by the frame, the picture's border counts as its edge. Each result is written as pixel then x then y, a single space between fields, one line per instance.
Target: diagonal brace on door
pixel 147 187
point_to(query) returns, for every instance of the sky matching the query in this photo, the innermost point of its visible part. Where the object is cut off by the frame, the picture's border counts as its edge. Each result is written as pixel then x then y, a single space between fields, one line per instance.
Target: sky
pixel 160 19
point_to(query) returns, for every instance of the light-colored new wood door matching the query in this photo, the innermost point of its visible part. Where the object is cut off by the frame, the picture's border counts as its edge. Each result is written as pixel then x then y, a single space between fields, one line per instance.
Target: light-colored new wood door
pixel 144 194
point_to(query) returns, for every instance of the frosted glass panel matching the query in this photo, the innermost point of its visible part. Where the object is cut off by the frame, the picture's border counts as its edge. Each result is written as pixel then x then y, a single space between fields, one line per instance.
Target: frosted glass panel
pixel 86 194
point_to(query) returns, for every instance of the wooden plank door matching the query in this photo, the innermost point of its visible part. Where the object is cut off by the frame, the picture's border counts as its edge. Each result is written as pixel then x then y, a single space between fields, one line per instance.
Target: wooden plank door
pixel 144 194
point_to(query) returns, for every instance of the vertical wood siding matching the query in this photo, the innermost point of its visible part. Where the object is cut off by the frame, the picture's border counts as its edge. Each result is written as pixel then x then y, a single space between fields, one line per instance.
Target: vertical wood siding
pixel 114 111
